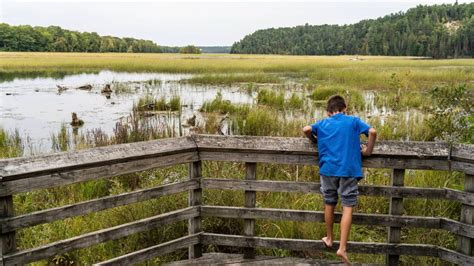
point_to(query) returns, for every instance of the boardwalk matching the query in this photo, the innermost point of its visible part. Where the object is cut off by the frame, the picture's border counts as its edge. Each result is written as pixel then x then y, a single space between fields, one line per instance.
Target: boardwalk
pixel 25 174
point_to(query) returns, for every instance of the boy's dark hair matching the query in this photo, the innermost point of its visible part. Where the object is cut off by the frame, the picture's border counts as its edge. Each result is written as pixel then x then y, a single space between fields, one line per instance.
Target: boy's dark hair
pixel 336 104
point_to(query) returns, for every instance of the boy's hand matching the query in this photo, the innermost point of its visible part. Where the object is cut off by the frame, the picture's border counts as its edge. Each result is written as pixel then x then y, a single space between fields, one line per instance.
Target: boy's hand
pixel 363 150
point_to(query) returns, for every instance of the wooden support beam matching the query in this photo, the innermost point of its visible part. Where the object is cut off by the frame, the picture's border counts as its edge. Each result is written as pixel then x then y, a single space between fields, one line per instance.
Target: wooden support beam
pixel 466 244
pixel 250 200
pixel 8 239
pixel 195 199
pixel 396 208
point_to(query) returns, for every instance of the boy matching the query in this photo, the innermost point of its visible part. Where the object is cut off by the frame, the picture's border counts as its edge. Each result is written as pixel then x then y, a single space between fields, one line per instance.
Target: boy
pixel 340 164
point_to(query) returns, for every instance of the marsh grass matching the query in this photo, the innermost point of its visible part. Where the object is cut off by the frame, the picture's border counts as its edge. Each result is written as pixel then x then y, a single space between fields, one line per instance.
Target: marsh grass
pixel 406 126
pixel 122 87
pixel 151 103
pixel 219 105
pixel 11 144
pixel 229 79
pixel 354 99
pixel 403 100
pixel 62 140
pixel 271 97
pixel 373 73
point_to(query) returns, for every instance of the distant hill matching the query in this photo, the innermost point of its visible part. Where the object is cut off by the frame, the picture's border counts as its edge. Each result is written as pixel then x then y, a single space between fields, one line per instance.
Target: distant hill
pixel 438 31
pixel 215 49
pixel 56 39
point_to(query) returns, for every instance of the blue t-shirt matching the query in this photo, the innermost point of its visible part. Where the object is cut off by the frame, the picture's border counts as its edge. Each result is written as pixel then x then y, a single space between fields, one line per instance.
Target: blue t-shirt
pixel 339 145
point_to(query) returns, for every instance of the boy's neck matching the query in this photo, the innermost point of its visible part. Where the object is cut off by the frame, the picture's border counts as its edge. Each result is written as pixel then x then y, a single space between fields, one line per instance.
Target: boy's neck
pixel 335 113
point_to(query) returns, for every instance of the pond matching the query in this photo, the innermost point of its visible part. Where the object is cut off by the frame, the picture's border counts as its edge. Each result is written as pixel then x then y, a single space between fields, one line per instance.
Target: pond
pixel 35 107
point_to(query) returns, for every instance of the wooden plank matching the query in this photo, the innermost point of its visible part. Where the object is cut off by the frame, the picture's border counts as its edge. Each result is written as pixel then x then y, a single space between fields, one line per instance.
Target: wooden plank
pixel 303 244
pixel 396 208
pixel 463 153
pixel 456 227
pixel 153 251
pixel 64 177
pixel 238 259
pixel 92 238
pixel 406 163
pixel 466 198
pixel 465 167
pixel 238 156
pixel 195 199
pixel 49 215
pixel 466 244
pixel 8 239
pixel 24 167
pixel 250 200
pixel 312 187
pixel 318 216
pixel 284 145
pixel 312 159
pixel 455 257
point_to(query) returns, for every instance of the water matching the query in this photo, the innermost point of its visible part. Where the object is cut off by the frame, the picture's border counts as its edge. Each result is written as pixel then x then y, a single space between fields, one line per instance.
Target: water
pixel 35 108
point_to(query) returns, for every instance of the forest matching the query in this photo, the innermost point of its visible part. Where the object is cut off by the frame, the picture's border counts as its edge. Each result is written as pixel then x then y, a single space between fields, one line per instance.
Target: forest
pixel 25 38
pixel 438 31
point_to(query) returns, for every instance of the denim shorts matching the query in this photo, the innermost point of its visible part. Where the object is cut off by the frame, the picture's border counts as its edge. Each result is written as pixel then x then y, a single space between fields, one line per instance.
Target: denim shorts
pixel 331 186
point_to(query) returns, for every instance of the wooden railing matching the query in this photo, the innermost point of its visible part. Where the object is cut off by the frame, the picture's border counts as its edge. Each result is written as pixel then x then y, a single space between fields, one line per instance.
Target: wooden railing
pixel 26 174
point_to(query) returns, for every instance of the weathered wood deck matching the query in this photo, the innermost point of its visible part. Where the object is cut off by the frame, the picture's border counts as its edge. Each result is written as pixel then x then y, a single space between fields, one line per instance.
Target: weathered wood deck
pixel 238 259
pixel 18 175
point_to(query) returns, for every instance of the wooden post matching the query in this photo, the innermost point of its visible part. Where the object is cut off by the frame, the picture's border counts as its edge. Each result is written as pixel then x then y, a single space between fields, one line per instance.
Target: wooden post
pixel 250 198
pixel 466 244
pixel 396 208
pixel 7 240
pixel 195 199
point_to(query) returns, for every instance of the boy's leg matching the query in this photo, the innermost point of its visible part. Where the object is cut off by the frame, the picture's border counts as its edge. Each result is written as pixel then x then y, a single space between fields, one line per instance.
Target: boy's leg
pixel 329 187
pixel 329 221
pixel 346 222
pixel 349 193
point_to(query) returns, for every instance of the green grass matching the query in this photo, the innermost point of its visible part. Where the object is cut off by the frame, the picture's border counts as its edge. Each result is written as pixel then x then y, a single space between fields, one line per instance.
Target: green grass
pixel 229 79
pixel 271 97
pixel 354 98
pixel 219 105
pixel 150 103
pixel 11 144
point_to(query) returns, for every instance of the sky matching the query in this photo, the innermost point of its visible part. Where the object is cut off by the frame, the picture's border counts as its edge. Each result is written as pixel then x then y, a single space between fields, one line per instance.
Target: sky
pixel 203 23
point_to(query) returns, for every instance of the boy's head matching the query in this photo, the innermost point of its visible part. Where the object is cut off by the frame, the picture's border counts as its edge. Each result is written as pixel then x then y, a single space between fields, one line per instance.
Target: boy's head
pixel 336 104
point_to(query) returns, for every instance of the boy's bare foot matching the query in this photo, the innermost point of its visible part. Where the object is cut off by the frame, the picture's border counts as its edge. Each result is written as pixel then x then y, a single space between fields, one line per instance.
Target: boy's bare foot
pixel 343 255
pixel 327 242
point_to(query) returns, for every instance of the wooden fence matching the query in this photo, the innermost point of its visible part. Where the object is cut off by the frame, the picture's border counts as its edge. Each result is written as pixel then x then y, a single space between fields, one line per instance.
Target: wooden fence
pixel 26 174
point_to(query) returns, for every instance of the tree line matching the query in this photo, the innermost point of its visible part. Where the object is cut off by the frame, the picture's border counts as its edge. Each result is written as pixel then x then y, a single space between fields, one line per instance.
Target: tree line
pixel 438 31
pixel 55 39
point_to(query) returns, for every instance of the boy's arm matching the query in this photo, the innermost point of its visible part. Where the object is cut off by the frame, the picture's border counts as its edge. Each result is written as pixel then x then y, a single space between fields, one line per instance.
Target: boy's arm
pixel 308 131
pixel 367 150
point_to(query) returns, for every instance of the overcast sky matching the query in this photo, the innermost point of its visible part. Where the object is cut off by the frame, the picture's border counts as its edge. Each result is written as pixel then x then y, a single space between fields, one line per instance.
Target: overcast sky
pixel 192 22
